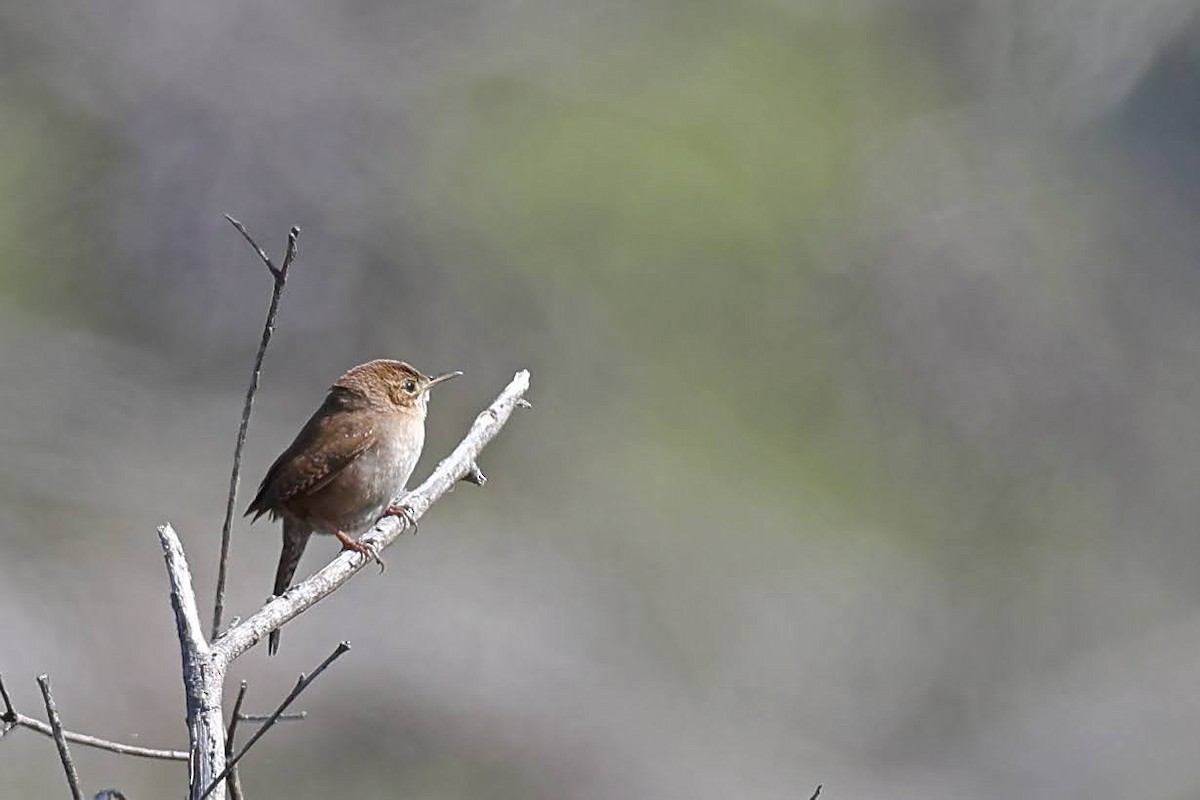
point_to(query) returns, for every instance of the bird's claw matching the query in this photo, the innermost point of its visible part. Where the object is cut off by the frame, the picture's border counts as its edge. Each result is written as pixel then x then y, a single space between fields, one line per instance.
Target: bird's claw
pixel 405 513
pixel 368 549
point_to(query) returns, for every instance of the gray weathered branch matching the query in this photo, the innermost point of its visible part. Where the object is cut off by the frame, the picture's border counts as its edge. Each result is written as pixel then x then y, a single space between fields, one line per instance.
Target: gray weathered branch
pixel 203 674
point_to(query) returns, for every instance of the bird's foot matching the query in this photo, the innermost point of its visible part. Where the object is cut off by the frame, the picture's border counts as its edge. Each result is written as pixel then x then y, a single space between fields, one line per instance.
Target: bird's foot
pixel 366 548
pixel 405 513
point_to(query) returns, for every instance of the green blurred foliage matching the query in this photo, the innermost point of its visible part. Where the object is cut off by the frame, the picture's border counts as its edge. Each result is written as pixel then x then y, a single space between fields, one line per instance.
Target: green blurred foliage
pixel 691 175
pixel 55 164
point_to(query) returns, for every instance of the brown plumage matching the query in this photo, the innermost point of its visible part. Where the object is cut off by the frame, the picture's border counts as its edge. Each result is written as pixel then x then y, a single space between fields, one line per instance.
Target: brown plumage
pixel 349 462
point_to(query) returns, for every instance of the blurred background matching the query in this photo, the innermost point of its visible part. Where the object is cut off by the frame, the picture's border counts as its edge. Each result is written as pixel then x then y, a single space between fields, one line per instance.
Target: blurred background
pixel 864 341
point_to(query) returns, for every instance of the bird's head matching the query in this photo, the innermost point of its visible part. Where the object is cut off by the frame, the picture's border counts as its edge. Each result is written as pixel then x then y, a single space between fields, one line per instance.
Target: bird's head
pixel 389 385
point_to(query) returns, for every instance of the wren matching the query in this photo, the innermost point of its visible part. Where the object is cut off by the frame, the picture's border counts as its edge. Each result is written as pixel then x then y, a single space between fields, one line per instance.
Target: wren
pixel 348 464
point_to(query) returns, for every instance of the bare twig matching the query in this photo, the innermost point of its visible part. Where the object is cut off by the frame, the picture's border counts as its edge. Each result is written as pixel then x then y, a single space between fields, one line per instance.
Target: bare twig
pixel 817 793
pixel 300 686
pixel 244 635
pixel 64 752
pixel 279 275
pixel 11 718
pixel 299 716
pixel 234 781
pixel 234 718
pixel 100 744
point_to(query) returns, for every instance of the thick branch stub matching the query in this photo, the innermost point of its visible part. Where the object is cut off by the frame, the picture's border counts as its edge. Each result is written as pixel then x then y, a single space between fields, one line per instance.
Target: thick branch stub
pixel 474 476
pixel 183 597
pixel 203 672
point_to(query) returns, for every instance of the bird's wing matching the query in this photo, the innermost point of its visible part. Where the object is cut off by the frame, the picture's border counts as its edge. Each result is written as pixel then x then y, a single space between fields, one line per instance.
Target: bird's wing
pixel 303 468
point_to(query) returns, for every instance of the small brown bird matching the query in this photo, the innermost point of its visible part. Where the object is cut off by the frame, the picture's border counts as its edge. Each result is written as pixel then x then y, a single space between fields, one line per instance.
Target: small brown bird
pixel 348 463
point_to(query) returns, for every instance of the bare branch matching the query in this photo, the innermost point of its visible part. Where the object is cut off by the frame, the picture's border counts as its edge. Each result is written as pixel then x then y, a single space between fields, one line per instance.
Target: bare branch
pixel 64 752
pixel 13 718
pixel 10 716
pixel 294 601
pixel 234 782
pixel 37 725
pixel 301 685
pixel 299 716
pixel 280 278
pixel 234 718
pixel 293 236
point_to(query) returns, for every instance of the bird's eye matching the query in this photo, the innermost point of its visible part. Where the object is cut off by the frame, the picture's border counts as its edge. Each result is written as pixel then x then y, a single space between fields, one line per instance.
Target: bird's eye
pixel 409 387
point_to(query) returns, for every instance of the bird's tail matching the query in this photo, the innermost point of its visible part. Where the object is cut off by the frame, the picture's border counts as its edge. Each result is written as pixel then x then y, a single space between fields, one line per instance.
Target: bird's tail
pixel 295 537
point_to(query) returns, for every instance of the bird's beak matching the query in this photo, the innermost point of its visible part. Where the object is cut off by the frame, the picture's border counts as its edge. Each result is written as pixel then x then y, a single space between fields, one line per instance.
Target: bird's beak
pixel 435 381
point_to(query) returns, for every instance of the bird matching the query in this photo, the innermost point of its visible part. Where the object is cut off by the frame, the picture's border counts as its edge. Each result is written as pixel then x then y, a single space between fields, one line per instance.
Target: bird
pixel 348 464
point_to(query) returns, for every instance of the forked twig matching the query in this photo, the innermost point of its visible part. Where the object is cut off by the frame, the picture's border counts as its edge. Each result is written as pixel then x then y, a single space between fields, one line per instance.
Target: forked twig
pixel 279 275
pixel 300 686
pixel 64 753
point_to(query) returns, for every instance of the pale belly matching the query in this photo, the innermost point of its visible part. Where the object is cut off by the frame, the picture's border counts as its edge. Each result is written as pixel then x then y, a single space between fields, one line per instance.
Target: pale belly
pixel 355 500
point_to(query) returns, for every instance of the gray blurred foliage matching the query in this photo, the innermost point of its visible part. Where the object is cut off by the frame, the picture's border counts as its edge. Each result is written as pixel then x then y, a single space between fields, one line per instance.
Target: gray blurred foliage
pixel 863 337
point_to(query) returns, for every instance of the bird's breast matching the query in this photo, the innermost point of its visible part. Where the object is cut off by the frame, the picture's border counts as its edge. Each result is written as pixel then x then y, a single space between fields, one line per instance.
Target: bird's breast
pixel 355 499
